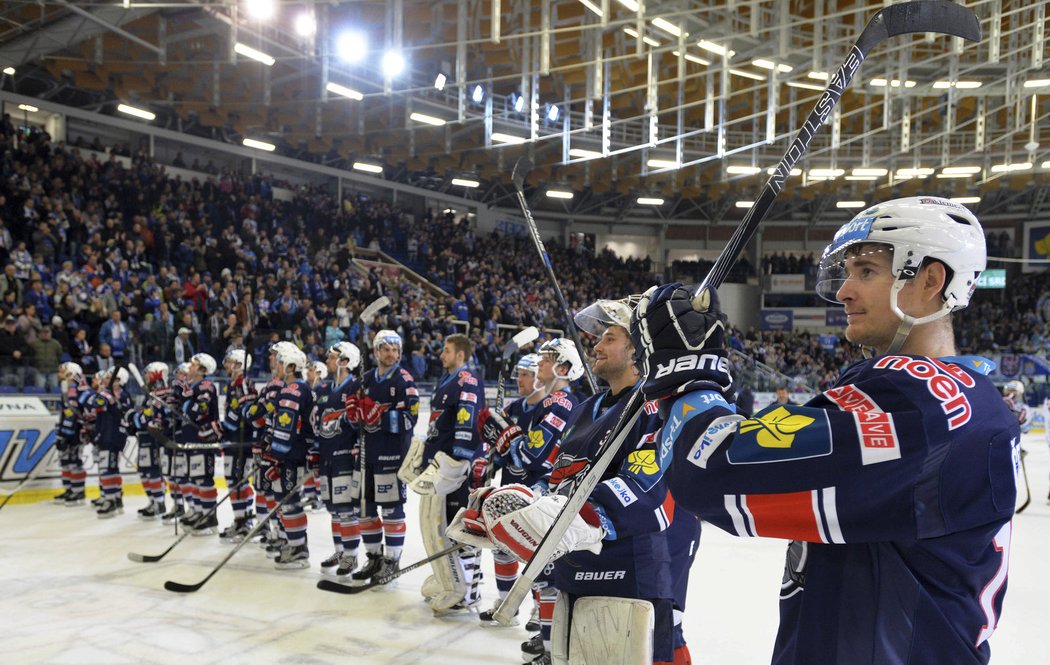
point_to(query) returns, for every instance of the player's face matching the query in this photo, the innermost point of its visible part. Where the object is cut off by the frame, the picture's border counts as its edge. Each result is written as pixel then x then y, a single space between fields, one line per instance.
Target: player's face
pixel 866 294
pixel 782 395
pixel 545 369
pixel 526 381
pixel 388 355
pixel 451 359
pixel 332 363
pixel 612 353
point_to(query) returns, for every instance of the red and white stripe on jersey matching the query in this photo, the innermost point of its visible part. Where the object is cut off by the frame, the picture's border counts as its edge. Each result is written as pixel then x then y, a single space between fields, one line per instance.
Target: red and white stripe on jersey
pixel 810 516
pixel 875 429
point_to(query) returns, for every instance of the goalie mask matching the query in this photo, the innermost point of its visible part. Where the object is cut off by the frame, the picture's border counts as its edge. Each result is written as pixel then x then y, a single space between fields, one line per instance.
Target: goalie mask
pixel 596 318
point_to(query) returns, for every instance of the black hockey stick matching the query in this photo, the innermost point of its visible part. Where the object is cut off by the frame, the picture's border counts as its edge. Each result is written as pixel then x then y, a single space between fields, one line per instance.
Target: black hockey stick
pixel 153 558
pixel 937 16
pixel 179 587
pixel 368 314
pixel 521 171
pixel 336 587
pixel 1027 487
pixel 526 336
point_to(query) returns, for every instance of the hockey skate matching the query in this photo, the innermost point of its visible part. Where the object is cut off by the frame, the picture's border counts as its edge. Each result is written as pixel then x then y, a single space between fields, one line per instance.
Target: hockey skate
pixel 533 624
pixel 390 567
pixel 347 564
pixel 542 659
pixel 191 519
pixel 459 608
pixel 60 499
pixel 488 618
pixel 151 512
pixel 206 526
pixel 75 499
pixel 237 531
pixel 175 513
pixel 329 565
pixel 293 556
pixel 369 570
pixel 110 508
pixel 96 503
pixel 274 548
pixel 533 646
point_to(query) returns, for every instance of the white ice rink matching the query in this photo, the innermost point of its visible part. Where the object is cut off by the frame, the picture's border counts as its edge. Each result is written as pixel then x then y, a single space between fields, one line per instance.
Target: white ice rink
pixel 70 595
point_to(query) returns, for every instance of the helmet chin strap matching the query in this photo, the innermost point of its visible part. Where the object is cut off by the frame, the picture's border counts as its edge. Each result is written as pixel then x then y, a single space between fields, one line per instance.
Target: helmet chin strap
pixel 907 322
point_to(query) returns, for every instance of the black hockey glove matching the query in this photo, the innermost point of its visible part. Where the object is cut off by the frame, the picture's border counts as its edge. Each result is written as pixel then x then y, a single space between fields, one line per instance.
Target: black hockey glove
pixel 678 342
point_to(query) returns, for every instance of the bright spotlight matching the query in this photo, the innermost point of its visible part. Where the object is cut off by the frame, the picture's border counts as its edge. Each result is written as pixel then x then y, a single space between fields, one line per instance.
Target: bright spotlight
pixel 259 9
pixel 519 103
pixel 351 46
pixel 305 24
pixel 553 112
pixel 439 81
pixel 393 63
pixel 478 95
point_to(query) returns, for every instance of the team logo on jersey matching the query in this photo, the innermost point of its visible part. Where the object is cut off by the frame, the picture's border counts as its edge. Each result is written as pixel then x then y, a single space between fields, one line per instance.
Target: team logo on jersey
pixel 284 420
pixel 781 435
pixel 643 462
pixel 68 413
pixel 536 439
pixel 464 415
pixel 942 380
pixel 777 428
pixel 234 403
pixel 414 409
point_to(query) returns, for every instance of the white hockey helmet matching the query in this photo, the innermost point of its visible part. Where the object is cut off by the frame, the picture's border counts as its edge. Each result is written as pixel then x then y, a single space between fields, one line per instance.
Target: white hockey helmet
pixel 239 357
pixel 348 352
pixel 289 354
pixel 182 370
pixel 1014 388
pixel 111 381
pixel 320 368
pixel 563 351
pixel 917 228
pixel 156 374
pixel 387 336
pixel 71 370
pixel 597 317
pixel 206 362
pixel 527 363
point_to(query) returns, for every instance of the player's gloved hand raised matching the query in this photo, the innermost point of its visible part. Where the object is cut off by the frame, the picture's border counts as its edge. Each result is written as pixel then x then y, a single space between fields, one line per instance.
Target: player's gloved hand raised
pixel 353 412
pixel 499 433
pixel 679 340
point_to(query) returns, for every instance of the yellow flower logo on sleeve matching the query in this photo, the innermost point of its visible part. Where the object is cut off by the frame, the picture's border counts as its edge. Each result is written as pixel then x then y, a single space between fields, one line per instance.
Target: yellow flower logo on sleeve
pixel 415 409
pixel 536 438
pixel 777 428
pixel 284 420
pixel 643 462
pixel 462 416
pixel 68 413
pixel 234 403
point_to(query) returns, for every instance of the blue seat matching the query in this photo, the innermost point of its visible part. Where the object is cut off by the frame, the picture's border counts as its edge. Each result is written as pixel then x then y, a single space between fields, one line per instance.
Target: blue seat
pixel 34 390
pixel 9 389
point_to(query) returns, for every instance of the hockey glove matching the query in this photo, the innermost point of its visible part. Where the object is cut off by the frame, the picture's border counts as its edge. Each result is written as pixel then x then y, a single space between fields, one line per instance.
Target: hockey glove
pixel 353 412
pixel 370 412
pixel 271 466
pixel 521 531
pixel 499 433
pixel 678 342
pixel 468 526
pixel 444 475
pixel 479 472
pixel 313 460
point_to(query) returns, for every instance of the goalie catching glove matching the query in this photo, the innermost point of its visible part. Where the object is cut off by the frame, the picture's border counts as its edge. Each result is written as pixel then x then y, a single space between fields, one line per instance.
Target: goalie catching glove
pixel 678 342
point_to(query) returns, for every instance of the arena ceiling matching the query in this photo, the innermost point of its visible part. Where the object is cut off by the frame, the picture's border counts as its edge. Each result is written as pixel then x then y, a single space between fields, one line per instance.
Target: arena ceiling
pixel 678 99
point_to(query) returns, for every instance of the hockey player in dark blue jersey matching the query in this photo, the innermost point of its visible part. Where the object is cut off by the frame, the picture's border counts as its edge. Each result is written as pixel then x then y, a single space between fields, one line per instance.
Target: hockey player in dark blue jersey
pixel 75 389
pixel 151 415
pixel 200 405
pixel 175 464
pixel 286 457
pixel 109 405
pixel 316 377
pixel 896 486
pixel 240 395
pixel 260 422
pixel 438 470
pixel 337 445
pixel 385 411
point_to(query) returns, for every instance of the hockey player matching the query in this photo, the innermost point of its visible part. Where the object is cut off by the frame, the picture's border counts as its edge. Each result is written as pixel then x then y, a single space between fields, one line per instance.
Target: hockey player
pixel 1013 396
pixel 445 457
pixel 109 404
pixel 260 421
pixel 385 411
pixel 337 444
pixel 151 415
pixel 316 374
pixel 616 560
pixel 240 395
pixel 896 486
pixel 200 405
pixel 175 464
pixel 285 460
pixel 75 391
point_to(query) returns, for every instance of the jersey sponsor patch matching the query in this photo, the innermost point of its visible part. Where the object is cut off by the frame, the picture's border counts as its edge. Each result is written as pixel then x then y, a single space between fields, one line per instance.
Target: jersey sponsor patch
pixel 781 435
pixel 468 397
pixel 942 381
pixel 718 431
pixel 554 421
pixel 464 436
pixel 558 398
pixel 621 491
pixel 811 515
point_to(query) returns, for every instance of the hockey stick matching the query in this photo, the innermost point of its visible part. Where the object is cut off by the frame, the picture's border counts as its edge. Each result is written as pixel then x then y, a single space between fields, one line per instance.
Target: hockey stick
pixel 521 171
pixel 1027 487
pixel 332 585
pixel 368 314
pixel 179 587
pixel 153 558
pixel 937 16
pixel 523 337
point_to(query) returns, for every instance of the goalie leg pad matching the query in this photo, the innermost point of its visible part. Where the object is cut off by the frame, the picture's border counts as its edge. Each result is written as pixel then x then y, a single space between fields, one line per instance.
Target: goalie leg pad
pixel 450 581
pixel 413 462
pixel 610 631
pixel 560 625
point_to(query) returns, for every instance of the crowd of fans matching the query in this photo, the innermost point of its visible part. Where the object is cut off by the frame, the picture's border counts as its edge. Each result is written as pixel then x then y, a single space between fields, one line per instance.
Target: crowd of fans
pixel 105 264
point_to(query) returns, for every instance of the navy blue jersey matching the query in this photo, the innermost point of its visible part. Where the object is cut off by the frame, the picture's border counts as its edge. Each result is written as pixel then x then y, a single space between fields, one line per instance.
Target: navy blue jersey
pixel 520 413
pixel 529 460
pixel 631 501
pixel 387 442
pixel 897 486
pixel 72 413
pixel 336 436
pixel 454 411
pixel 260 412
pixel 292 431
pixel 240 395
pixel 200 405
pixel 109 406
